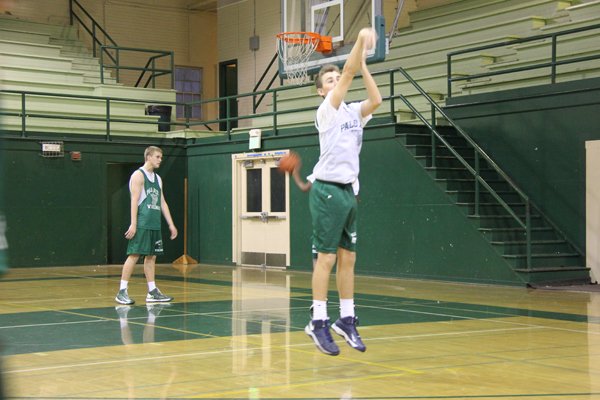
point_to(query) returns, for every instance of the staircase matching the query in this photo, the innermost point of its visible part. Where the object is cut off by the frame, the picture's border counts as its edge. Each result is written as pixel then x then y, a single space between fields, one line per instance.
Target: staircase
pixel 553 257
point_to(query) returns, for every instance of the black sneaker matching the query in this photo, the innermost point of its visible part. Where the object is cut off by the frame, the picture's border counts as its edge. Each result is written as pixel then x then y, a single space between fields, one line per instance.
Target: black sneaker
pixel 123 297
pixel 346 328
pixel 319 332
pixel 155 296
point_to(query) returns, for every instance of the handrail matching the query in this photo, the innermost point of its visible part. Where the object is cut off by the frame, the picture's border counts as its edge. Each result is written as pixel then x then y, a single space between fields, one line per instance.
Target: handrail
pixel 478 153
pixel 480 156
pixel 256 103
pixel 92 32
pixel 155 72
pixel 552 64
pixel 112 45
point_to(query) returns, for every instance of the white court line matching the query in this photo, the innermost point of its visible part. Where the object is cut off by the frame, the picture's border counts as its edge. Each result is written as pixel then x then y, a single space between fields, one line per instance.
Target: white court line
pixel 307 344
pixel 491 319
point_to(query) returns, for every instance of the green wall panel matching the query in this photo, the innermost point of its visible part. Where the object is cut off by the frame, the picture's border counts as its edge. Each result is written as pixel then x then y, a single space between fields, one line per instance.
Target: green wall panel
pixel 56 209
pixel 407 226
pixel 537 135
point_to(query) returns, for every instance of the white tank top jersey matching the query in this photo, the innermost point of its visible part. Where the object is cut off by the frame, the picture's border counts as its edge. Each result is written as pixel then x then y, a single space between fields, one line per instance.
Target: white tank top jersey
pixel 151 176
pixel 340 140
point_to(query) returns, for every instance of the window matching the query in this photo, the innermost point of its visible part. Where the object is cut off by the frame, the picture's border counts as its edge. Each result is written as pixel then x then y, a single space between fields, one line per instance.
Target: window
pixel 254 190
pixel 188 84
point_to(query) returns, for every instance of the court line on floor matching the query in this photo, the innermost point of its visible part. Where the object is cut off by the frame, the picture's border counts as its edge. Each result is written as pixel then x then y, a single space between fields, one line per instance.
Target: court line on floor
pixel 183 355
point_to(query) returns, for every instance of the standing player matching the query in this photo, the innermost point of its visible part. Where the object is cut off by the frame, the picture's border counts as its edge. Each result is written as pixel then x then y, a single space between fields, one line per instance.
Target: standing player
pixel 332 201
pixel 144 235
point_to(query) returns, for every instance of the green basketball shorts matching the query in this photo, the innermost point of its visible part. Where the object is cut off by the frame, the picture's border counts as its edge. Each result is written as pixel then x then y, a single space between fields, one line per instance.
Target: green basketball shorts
pixel 333 211
pixel 146 242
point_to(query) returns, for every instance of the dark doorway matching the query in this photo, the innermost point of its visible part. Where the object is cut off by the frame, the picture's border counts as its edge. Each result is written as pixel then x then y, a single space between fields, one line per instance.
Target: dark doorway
pixel 117 184
pixel 228 86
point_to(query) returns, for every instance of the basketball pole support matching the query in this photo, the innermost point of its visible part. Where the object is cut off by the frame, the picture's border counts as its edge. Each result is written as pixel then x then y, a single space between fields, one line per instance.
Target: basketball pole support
pixel 185 259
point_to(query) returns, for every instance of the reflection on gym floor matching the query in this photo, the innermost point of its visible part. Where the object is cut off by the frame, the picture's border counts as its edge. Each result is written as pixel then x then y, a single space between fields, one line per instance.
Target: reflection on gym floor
pixel 238 333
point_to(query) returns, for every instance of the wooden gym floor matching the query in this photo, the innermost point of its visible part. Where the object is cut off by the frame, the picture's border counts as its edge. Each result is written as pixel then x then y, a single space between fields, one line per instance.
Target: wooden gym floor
pixel 238 333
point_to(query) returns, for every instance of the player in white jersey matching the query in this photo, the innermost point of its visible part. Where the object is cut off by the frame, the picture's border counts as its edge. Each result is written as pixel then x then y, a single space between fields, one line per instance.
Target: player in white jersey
pixel 332 198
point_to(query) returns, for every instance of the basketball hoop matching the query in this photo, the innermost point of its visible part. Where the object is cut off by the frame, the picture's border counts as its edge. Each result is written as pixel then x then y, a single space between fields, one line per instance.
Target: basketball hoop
pixel 295 49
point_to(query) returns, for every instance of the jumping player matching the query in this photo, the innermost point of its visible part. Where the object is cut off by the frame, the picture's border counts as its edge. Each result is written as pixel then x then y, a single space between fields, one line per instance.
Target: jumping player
pixel 332 200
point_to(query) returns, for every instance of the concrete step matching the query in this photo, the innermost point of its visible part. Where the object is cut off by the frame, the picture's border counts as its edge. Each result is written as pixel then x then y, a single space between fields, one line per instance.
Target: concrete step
pixel 29 60
pixel 24 36
pixel 44 74
pixel 410 40
pixel 584 11
pixel 77 126
pixel 565 73
pixel 48 87
pixel 37 49
pixel 461 10
pixel 54 104
pixel 558 27
pixel 56 31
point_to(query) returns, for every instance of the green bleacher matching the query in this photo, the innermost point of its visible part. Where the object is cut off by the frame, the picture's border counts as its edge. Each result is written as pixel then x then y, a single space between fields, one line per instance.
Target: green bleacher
pixel 421 50
pixel 50 59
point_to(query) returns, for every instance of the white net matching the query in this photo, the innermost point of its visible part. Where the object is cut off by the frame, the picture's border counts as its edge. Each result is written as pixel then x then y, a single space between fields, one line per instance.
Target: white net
pixel 295 49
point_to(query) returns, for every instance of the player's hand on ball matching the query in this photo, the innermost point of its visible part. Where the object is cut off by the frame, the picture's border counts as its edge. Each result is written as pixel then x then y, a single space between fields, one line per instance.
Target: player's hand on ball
pixel 290 162
pixel 369 37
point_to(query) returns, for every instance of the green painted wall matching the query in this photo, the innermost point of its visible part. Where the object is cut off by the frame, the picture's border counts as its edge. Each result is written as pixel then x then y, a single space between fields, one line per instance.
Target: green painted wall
pixel 407 225
pixel 56 209
pixel 537 135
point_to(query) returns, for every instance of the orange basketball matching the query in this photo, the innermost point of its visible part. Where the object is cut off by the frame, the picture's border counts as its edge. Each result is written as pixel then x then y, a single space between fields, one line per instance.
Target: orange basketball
pixel 289 162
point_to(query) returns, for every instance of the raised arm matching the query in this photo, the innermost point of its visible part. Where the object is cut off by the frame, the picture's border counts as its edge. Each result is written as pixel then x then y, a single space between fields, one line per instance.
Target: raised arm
pixel 365 41
pixel 374 99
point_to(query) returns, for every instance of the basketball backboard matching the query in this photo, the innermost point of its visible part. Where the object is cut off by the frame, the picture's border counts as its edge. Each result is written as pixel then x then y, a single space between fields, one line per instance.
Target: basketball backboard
pixel 340 19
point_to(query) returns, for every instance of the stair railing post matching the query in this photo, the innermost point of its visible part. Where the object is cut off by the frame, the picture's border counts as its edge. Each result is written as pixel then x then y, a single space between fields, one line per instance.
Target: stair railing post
pixel 449 66
pixel 433 116
pixel 118 65
pixel 392 96
pixel 187 112
pixel 108 119
pixel 528 232
pixel 275 112
pixel 94 38
pixel 23 116
pixel 102 64
pixel 172 70
pixel 153 72
pixel 433 146
pixel 477 199
pixel 227 115
pixel 553 61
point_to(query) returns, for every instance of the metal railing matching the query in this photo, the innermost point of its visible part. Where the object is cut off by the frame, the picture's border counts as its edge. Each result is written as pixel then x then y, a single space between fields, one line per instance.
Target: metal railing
pixel 108 45
pixel 149 67
pixel 107 118
pixel 481 158
pixel 552 64
pixel 478 153
pixel 255 102
pixel 74 9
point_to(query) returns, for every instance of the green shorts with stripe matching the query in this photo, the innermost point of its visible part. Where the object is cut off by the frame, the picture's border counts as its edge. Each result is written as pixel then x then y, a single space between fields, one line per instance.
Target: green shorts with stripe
pixel 333 211
pixel 146 242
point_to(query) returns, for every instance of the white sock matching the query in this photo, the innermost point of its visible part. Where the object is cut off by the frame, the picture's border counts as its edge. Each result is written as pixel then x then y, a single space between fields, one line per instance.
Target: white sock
pixel 346 308
pixel 123 285
pixel 319 309
pixel 151 286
